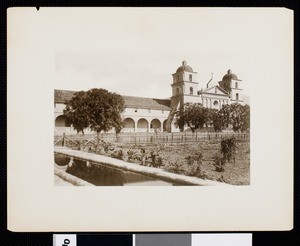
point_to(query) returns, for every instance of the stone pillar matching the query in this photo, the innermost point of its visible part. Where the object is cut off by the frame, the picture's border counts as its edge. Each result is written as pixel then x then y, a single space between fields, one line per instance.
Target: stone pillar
pixel 149 123
pixel 135 125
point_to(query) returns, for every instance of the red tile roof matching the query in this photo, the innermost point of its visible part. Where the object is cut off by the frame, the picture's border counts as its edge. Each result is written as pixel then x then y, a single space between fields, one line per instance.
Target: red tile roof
pixel 61 96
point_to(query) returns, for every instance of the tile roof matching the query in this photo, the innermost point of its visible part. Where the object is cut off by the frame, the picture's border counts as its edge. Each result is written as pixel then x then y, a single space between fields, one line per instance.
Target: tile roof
pixel 129 101
pixel 147 103
pixel 63 95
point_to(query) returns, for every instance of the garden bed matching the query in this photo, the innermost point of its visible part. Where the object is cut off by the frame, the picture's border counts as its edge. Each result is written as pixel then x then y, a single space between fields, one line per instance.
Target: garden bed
pixel 190 159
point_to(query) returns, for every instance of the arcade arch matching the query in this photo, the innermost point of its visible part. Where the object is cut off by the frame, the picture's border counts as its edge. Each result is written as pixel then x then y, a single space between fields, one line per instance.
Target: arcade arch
pixel 62 121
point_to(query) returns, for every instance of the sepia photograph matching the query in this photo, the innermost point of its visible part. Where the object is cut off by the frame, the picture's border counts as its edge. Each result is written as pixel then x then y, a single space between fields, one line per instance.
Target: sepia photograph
pixel 200 135
pixel 150 119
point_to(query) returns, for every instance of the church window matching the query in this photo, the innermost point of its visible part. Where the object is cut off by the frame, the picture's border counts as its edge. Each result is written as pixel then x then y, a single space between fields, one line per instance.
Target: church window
pixel 177 78
pixel 236 85
pixel 191 90
pixel 177 91
pixel 237 96
pixel 191 78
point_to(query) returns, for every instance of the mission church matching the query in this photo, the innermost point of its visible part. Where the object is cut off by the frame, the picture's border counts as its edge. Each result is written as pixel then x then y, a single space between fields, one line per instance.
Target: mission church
pixel 150 114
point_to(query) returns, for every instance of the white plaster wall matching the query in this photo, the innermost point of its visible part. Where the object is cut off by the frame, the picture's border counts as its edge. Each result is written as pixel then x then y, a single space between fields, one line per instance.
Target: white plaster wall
pixel 208 101
pixel 145 113
pixel 180 87
pixel 192 99
pixel 187 88
pixel 186 76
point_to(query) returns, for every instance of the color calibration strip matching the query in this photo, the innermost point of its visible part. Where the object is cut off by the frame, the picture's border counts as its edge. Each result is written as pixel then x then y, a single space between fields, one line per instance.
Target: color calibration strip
pixel 197 239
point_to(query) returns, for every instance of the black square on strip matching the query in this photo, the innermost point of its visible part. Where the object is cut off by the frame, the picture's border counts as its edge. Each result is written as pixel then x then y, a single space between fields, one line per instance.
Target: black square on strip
pixel 104 240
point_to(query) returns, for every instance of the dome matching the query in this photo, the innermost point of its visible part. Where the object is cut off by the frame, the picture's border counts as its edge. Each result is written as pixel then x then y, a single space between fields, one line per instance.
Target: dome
pixel 184 68
pixel 230 76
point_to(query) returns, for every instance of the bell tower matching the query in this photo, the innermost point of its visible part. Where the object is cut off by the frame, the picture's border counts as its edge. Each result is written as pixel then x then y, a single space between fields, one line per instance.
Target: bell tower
pixel 233 85
pixel 185 85
pixel 184 90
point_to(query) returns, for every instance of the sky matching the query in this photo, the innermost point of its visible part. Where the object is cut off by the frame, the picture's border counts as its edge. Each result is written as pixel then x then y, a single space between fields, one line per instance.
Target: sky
pixel 135 51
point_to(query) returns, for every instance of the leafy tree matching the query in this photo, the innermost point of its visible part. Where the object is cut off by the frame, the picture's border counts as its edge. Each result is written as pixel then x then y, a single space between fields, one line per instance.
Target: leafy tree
pixel 228 149
pixel 192 115
pixel 246 118
pixel 236 115
pixel 98 109
pixel 179 118
pixel 216 118
pixel 76 111
pixel 225 114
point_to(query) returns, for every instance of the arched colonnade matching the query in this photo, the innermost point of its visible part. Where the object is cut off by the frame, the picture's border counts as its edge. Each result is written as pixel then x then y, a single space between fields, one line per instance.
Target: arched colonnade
pixel 144 125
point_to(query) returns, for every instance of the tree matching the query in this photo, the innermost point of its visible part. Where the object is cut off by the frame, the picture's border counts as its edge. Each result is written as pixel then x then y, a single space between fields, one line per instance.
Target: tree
pixel 179 118
pixel 192 115
pixel 225 114
pixel 97 108
pixel 236 115
pixel 76 111
pixel 217 119
pixel 246 118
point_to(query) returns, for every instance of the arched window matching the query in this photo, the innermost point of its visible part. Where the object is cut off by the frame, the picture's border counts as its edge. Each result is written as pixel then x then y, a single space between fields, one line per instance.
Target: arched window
pixel 191 90
pixel 237 96
pixel 177 91
pixel 191 78
pixel 177 78
pixel 236 85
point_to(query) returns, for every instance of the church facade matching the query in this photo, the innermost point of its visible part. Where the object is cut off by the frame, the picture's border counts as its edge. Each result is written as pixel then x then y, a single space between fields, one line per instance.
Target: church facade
pixel 157 115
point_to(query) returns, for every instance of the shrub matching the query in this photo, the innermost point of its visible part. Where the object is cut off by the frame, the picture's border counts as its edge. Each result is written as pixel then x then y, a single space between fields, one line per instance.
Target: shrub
pixel 191 159
pixel 228 149
pixel 219 162
pixel 118 154
pixel 155 159
pixel 175 167
pixel 131 155
pixel 194 164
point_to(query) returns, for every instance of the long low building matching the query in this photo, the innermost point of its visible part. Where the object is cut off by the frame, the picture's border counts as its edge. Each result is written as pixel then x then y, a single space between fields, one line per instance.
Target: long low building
pixel 151 114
